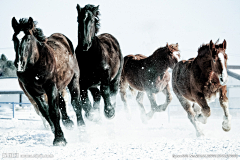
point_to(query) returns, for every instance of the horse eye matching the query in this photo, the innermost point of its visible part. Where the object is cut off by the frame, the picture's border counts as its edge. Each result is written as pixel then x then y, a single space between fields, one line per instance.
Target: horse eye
pixel 214 61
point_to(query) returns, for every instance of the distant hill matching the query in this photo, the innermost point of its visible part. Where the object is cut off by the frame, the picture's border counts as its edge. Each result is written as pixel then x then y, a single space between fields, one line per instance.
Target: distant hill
pixel 7 68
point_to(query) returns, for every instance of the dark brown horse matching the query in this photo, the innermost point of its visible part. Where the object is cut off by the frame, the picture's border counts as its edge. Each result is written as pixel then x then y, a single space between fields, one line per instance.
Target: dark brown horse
pixel 47 66
pixel 199 80
pixel 150 75
pixel 100 61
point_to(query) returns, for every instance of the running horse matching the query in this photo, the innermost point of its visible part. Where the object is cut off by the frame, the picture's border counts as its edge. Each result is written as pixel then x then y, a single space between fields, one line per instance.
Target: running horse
pixel 100 61
pixel 198 81
pixel 47 66
pixel 150 75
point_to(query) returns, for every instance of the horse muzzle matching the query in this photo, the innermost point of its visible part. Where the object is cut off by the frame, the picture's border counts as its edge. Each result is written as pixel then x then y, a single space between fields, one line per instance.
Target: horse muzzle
pixel 86 46
pixel 223 79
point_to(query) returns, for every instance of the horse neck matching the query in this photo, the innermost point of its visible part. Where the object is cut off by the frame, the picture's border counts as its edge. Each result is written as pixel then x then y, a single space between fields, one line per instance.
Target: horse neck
pixel 35 54
pixel 159 62
pixel 91 52
pixel 198 72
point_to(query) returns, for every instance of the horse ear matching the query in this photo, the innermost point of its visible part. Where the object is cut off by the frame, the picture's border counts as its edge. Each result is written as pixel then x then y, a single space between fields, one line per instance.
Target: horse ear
pixel 176 44
pixel 3 57
pixel 15 24
pixel 78 8
pixel 211 46
pixel 224 44
pixel 30 22
pixel 167 45
pixel 95 10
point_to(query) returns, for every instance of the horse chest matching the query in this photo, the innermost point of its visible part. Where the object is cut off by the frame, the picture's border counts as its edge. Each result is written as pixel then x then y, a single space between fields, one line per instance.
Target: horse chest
pixel 32 80
pixel 211 97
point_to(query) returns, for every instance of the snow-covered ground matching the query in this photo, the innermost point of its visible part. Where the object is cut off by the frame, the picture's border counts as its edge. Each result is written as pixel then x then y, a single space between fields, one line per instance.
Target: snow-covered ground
pixel 119 138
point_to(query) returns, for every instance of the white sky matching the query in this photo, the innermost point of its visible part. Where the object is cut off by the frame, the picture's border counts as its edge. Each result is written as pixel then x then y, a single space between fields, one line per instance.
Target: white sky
pixel 141 26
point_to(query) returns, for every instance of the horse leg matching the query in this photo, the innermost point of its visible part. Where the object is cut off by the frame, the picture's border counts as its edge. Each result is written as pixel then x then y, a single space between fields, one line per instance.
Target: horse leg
pixel 106 94
pixel 123 88
pixel 191 114
pixel 152 99
pixel 86 105
pixel 95 112
pixel 74 90
pixel 167 93
pixel 139 99
pixel 53 101
pixel 226 125
pixel 67 122
pixel 35 106
pixel 205 109
pixel 114 85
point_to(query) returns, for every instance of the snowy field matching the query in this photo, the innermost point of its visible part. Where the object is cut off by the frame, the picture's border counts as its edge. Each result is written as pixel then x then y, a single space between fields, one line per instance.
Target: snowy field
pixel 119 138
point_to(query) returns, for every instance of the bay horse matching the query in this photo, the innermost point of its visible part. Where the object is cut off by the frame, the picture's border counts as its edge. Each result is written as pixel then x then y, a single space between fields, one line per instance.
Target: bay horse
pixel 150 75
pixel 100 61
pixel 47 66
pixel 198 81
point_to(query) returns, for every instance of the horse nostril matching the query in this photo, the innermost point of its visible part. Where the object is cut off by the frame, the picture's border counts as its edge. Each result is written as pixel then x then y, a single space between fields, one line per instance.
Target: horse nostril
pixel 221 79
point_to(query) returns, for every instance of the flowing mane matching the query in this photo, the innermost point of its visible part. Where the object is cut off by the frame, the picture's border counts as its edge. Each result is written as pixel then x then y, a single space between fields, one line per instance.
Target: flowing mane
pixel 162 49
pixel 96 13
pixel 202 49
pixel 37 32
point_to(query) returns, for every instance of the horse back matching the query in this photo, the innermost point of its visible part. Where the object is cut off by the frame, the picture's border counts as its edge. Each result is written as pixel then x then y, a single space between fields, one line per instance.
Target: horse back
pixel 63 53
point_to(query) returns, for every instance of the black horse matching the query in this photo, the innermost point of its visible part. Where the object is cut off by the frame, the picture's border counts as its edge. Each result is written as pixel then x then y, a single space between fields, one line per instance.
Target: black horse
pixel 47 66
pixel 100 61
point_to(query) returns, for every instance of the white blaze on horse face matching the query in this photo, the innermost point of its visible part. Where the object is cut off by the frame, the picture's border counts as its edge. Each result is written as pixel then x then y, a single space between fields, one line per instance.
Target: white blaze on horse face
pixel 20 36
pixel 176 54
pixel 223 78
pixel 21 48
pixel 86 15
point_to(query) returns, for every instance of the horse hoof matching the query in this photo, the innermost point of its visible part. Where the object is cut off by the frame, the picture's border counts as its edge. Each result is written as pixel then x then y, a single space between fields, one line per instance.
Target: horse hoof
pixel 202 119
pixel 200 135
pixel 226 124
pixel 226 129
pixel 149 115
pixel 61 141
pixel 93 116
pixel 68 123
pixel 109 113
pixel 81 123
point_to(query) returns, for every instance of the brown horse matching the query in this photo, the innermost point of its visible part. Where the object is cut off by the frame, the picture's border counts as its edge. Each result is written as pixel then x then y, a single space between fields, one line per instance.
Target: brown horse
pixel 150 75
pixel 47 66
pixel 199 80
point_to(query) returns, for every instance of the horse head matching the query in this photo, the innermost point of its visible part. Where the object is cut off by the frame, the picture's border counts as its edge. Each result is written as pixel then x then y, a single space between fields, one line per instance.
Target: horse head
pixel 88 24
pixel 25 43
pixel 173 54
pixel 213 59
pixel 220 61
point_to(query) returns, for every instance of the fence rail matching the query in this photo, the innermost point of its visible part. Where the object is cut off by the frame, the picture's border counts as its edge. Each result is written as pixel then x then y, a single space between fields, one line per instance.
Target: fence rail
pixel 13 107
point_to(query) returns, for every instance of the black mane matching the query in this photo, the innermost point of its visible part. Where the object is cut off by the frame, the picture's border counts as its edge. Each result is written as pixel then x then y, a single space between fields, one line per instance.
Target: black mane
pixel 92 8
pixel 37 32
pixel 203 49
